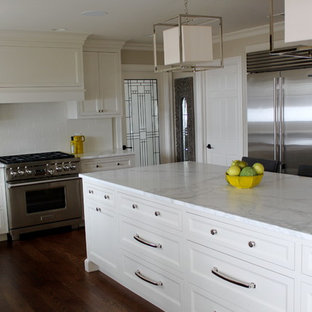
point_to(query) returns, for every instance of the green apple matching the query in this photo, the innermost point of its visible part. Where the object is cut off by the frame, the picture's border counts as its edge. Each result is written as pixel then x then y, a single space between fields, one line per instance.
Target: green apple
pixel 258 168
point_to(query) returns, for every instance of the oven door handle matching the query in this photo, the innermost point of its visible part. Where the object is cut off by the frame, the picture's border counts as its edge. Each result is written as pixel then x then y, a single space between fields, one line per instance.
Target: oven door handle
pixel 40 182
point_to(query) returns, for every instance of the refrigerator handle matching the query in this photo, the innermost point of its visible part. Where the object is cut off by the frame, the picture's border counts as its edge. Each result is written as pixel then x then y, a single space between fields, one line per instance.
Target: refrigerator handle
pixel 282 124
pixel 275 113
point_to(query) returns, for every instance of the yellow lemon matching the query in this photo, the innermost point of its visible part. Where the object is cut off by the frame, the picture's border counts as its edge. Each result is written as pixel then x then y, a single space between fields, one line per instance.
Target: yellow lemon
pixel 258 168
pixel 233 171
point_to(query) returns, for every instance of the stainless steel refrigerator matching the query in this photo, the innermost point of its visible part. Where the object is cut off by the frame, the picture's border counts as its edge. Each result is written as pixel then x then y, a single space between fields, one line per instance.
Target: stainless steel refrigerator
pixel 279 110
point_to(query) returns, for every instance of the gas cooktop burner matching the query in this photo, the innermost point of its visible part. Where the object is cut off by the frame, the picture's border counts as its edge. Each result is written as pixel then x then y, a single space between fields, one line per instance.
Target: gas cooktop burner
pixel 14 159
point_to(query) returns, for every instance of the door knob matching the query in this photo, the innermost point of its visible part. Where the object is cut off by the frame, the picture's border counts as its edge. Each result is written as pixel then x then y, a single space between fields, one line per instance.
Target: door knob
pixel 124 147
pixel 209 146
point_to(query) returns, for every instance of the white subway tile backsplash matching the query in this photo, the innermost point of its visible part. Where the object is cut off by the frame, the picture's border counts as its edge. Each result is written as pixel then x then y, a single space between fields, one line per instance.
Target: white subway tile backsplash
pixel 41 127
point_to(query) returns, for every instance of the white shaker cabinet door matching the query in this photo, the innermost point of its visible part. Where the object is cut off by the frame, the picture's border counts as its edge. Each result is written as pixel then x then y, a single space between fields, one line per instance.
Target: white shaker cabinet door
pixel 92 103
pixel 102 238
pixel 102 74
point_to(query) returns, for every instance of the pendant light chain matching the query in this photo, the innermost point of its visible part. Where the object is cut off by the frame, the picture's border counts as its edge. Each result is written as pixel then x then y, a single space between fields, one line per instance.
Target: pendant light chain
pixel 186 10
pixel 186 3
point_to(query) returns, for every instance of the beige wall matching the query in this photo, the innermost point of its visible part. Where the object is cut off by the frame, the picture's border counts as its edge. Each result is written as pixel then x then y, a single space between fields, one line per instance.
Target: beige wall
pixel 139 57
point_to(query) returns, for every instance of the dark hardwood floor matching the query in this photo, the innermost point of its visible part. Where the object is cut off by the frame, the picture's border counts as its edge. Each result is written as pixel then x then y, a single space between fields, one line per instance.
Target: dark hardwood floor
pixel 46 273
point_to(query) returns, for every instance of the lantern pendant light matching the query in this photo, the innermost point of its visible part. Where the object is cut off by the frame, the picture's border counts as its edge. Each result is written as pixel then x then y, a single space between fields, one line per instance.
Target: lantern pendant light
pixel 188 42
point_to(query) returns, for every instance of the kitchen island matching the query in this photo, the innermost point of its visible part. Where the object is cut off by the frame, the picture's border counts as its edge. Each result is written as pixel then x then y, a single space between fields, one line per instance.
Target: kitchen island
pixel 181 237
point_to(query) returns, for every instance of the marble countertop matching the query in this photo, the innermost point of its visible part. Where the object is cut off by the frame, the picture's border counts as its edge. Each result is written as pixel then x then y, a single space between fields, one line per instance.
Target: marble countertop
pixel 103 154
pixel 280 201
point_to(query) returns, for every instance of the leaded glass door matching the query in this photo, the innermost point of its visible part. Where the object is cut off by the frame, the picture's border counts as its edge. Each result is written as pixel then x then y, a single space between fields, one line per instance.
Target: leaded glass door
pixel 141 103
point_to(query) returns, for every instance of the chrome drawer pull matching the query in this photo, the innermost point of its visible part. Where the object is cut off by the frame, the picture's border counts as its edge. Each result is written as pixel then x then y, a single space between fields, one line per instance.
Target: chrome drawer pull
pixel 98 209
pixel 134 206
pixel 146 279
pixel 106 196
pixel 213 232
pixel 146 242
pixel 230 279
pixel 157 213
pixel 252 244
pixel 90 192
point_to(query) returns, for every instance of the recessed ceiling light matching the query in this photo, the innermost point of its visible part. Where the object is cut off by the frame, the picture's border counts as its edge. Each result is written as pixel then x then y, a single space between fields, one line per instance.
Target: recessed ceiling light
pixel 94 13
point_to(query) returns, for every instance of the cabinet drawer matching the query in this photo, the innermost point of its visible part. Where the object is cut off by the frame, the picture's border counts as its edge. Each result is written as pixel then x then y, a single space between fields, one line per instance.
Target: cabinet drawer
pixel 97 193
pixel 156 214
pixel 155 285
pixel 102 164
pixel 202 301
pixel 162 247
pixel 252 244
pixel 248 286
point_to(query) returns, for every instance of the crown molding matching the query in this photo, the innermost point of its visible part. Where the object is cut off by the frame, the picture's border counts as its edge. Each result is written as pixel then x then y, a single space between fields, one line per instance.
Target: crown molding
pixel 141 46
pixel 13 37
pixel 235 35
pixel 94 43
pixel 254 31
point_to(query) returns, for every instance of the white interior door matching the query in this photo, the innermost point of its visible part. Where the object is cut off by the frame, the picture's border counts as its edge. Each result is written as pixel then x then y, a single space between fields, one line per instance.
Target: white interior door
pixel 221 113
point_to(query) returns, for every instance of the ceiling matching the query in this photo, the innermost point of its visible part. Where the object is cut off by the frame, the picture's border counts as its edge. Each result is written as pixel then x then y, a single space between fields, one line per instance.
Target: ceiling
pixel 127 20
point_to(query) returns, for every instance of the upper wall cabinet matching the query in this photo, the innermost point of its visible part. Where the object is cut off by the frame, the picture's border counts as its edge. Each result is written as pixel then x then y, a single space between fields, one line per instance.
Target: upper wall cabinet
pixel 298 21
pixel 41 67
pixel 102 79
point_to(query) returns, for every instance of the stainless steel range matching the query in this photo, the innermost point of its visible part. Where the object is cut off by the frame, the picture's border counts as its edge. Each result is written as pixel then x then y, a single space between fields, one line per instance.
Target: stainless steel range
pixel 43 191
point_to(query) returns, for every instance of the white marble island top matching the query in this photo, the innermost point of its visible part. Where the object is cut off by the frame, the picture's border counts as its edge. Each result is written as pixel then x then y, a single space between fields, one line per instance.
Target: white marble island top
pixel 281 202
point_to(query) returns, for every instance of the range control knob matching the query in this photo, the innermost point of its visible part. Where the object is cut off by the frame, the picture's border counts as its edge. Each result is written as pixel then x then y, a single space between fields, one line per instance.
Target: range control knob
pixel 13 173
pixel 50 171
pixel 20 172
pixel 58 168
pixel 27 171
pixel 72 166
pixel 65 167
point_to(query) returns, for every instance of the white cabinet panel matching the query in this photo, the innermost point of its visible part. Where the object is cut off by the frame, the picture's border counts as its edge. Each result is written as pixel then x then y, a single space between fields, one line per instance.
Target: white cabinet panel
pixel 272 292
pixel 151 212
pixel 40 67
pixel 306 297
pixel 255 245
pixel 91 79
pixel 106 163
pixel 103 95
pixel 157 286
pixel 162 247
pixel 202 301
pixel 102 237
pixel 100 195
pixel 307 260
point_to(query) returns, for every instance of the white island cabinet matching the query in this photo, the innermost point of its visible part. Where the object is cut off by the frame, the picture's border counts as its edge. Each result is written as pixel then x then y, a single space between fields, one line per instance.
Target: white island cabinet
pixel 179 236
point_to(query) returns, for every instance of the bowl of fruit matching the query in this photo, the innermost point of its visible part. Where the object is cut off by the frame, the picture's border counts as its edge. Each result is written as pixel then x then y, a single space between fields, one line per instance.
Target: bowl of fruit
pixel 240 175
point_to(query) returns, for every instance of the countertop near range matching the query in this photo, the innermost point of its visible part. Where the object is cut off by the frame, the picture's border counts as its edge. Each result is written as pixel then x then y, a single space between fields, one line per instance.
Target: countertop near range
pixel 103 154
pixel 280 202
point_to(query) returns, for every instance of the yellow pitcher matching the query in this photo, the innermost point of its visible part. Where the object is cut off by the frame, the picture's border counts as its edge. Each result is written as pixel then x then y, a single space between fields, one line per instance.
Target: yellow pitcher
pixel 78 144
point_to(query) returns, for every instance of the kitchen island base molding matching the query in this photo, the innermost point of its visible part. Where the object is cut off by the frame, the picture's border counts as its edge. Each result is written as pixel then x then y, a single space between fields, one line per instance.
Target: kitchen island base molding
pixel 203 259
pixel 90 266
